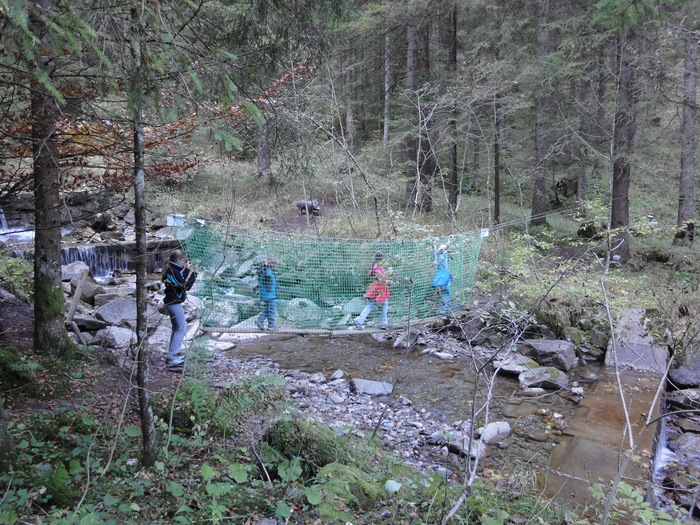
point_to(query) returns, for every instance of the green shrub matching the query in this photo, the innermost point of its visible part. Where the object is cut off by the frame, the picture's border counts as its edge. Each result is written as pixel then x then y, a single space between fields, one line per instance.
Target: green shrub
pixel 15 369
pixel 197 405
pixel 18 276
pixel 316 445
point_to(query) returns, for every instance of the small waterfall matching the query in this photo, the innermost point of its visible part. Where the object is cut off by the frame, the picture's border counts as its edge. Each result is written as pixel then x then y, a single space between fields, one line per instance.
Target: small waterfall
pixel 663 456
pixel 102 259
pixel 18 235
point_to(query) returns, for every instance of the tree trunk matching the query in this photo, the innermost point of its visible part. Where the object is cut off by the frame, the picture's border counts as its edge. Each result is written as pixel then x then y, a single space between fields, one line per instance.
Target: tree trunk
pixel 538 214
pixel 427 162
pixel 686 195
pixel 453 184
pixel 411 144
pixel 387 85
pixel 348 93
pixel 148 430
pixel 623 149
pixel 50 336
pixel 264 160
pixel 476 160
pixel 500 126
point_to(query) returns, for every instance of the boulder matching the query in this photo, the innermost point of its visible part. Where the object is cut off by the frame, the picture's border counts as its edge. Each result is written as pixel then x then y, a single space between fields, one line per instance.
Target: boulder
pixel 514 364
pixel 88 324
pixel 687 373
pixel 102 299
pixel 72 270
pixel 544 377
pixel 114 337
pixel 354 306
pixel 302 311
pixel 89 291
pixel 122 312
pixel 688 399
pixel 557 353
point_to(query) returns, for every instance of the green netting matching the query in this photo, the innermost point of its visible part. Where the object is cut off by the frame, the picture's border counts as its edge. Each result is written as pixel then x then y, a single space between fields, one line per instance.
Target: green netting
pixel 321 281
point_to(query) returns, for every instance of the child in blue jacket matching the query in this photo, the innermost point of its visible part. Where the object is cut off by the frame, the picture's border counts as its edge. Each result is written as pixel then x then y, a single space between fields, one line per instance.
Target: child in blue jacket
pixel 267 287
pixel 443 278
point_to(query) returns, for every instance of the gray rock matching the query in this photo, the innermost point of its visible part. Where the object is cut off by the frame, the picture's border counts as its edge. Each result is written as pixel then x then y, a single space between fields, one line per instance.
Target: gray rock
pixel 72 270
pixel 687 373
pixel 122 312
pixel 544 377
pixel 494 432
pixel 118 311
pixel 300 310
pixel 558 353
pixel 406 340
pixel 371 388
pixel 104 298
pixel 514 364
pixel 338 374
pixel 354 306
pixel 113 337
pixel 336 398
pixel 89 290
pixel 638 356
pixel 634 344
pixel 89 324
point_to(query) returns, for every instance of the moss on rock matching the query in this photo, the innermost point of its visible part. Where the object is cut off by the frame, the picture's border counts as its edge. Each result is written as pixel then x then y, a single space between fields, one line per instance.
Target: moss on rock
pixel 317 445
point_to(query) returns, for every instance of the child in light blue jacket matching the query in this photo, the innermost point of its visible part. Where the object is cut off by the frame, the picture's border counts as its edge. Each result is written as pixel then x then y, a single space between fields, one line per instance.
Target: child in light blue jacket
pixel 267 287
pixel 443 278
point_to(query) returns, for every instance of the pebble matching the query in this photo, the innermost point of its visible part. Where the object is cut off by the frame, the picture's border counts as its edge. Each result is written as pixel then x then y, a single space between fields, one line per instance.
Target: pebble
pixel 412 434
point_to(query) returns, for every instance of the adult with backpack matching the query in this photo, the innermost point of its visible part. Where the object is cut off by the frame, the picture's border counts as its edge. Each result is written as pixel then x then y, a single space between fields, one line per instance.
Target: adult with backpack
pixel 178 279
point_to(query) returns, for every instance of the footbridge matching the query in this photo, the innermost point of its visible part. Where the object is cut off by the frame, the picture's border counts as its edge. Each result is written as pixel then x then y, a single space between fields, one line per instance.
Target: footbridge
pixel 321 281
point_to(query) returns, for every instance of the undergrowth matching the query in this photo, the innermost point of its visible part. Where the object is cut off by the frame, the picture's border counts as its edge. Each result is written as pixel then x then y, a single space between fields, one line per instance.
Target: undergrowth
pixel 18 276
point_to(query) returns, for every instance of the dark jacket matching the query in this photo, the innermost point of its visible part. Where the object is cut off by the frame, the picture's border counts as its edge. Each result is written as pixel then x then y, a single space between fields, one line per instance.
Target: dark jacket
pixel 177 282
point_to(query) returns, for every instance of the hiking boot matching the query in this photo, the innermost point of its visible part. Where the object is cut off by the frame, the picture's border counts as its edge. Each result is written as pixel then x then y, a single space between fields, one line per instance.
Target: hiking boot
pixel 175 361
pixel 273 328
pixel 358 324
pixel 260 325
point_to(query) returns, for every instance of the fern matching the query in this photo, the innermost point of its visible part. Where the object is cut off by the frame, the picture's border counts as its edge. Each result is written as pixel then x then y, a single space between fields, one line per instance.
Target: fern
pixel 27 369
pixel 15 366
pixel 250 395
pixel 202 400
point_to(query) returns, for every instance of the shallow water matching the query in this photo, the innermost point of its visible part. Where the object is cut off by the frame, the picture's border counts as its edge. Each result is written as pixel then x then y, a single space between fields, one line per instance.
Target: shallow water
pixel 444 388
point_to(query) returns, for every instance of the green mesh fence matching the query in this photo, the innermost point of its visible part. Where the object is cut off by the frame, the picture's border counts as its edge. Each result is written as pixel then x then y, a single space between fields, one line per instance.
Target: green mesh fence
pixel 321 281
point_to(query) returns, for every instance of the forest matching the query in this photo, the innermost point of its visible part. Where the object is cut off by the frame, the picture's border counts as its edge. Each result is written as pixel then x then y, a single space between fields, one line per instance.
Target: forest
pixel 566 129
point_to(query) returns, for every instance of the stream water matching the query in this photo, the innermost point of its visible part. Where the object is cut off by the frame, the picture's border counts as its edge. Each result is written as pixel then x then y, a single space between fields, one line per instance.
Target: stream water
pixel 447 389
